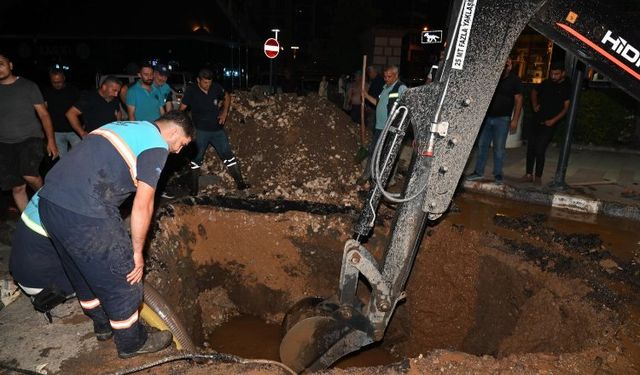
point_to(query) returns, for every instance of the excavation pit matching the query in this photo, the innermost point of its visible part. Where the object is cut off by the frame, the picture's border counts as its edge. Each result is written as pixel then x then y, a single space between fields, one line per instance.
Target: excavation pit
pixel 231 275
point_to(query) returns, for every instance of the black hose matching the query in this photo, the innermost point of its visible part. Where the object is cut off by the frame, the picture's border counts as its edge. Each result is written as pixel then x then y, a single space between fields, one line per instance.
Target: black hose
pixel 221 357
pixel 155 301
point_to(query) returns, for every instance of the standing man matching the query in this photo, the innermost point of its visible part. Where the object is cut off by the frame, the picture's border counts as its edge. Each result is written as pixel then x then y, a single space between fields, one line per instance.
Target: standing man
pixel 205 100
pixel 163 91
pixel 22 114
pixel 143 99
pixel 160 76
pixel 503 114
pixel 391 91
pixel 376 84
pixel 550 102
pixel 323 87
pixel 96 107
pixel 79 209
pixel 59 98
pixel 354 97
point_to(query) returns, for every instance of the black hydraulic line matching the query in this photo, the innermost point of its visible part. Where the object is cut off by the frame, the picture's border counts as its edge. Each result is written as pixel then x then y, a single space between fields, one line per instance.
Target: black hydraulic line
pixel 388 150
pixel 220 357
pixel 216 357
pixel 266 206
pixel 563 161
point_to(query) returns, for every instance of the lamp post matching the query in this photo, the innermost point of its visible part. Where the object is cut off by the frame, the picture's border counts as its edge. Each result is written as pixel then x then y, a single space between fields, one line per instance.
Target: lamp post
pixel 276 31
pixel 295 51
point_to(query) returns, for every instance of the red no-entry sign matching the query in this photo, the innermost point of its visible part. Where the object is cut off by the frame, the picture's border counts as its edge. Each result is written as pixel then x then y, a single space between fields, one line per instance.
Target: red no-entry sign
pixel 271 48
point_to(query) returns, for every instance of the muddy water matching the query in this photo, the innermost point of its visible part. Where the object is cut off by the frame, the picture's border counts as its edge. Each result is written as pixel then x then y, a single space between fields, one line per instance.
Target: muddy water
pixel 251 337
pixel 468 291
pixel 620 237
pixel 248 337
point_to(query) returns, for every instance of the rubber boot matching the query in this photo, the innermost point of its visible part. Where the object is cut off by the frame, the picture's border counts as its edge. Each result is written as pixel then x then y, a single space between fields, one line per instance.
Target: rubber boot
pixel 156 341
pixel 234 171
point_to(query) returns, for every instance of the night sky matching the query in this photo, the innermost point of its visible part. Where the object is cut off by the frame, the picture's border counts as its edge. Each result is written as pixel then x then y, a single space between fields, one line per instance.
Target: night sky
pixel 118 17
pixel 119 32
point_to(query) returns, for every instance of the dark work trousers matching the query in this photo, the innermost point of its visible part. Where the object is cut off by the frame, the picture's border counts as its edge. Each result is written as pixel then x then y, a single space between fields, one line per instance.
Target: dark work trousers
pixel 34 262
pixel 97 255
pixel 539 140
pixel 218 139
pixel 354 112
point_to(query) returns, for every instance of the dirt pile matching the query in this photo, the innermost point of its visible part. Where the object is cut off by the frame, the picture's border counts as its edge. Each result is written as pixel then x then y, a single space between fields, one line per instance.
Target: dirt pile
pixel 289 147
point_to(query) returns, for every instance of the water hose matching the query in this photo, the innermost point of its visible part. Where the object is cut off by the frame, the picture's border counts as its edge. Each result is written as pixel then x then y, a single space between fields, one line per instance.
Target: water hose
pixel 219 357
pixel 157 313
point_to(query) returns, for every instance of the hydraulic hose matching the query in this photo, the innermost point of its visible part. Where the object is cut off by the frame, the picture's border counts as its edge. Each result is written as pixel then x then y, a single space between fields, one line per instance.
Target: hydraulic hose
pixel 376 171
pixel 157 313
pixel 218 357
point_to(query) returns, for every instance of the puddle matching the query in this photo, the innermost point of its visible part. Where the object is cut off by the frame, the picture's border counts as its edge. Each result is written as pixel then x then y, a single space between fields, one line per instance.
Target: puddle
pixel 248 337
pixel 620 237
pixel 373 355
pixel 251 337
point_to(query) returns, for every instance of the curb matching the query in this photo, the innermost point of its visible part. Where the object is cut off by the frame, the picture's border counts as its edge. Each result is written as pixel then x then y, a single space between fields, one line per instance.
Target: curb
pixel 582 147
pixel 557 199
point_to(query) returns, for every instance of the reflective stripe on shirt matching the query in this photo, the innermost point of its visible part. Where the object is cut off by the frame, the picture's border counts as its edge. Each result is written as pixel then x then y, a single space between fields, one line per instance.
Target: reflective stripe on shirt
pixel 123 149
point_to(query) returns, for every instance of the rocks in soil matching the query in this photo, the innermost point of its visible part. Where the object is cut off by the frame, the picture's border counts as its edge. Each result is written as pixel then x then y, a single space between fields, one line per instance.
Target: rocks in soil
pixel 289 147
pixel 217 308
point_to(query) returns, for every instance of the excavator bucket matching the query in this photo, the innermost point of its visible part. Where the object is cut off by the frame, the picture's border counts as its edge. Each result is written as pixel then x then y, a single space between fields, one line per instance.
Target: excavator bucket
pixel 310 339
pixel 318 332
pixel 305 308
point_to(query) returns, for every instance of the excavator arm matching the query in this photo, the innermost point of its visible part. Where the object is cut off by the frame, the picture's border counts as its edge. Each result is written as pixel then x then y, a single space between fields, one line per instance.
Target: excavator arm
pixel 445 116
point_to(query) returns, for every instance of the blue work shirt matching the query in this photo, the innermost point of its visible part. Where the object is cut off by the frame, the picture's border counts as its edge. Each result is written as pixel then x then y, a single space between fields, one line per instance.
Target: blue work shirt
pixel 147 103
pixel 99 173
pixel 383 101
pixel 165 93
pixel 31 217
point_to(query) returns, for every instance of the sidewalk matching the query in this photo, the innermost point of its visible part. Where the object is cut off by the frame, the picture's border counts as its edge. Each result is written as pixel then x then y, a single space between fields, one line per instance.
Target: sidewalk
pixel 599 181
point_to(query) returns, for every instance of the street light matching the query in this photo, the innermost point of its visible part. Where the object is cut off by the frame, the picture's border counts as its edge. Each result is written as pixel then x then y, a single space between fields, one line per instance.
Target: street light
pixel 295 50
pixel 276 31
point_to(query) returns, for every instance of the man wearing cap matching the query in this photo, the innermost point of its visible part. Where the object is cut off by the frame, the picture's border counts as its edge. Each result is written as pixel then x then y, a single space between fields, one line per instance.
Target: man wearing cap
pixel 160 75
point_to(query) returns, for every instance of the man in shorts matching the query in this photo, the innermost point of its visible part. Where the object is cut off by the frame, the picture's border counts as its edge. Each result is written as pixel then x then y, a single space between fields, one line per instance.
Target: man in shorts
pixel 23 117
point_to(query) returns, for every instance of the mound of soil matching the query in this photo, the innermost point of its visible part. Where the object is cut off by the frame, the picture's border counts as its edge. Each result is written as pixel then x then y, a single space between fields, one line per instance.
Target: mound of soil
pixel 290 147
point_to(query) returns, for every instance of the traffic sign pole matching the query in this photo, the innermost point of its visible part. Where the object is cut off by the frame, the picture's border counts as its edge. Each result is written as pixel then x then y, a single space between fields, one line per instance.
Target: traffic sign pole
pixel 270 76
pixel 271 50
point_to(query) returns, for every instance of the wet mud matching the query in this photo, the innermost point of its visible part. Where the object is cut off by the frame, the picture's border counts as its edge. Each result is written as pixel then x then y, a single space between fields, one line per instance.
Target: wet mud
pixel 512 293
pixel 497 286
